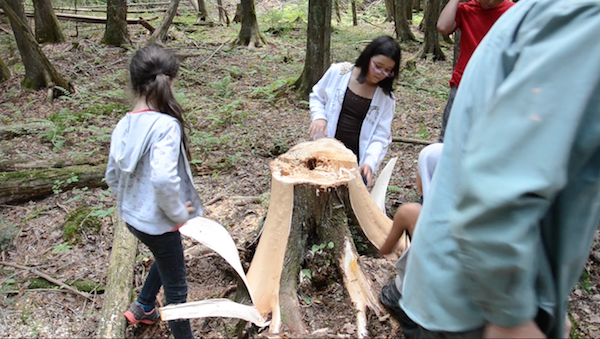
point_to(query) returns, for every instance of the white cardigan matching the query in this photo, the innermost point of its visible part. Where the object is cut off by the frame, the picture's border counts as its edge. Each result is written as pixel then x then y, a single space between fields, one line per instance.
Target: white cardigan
pixel 326 102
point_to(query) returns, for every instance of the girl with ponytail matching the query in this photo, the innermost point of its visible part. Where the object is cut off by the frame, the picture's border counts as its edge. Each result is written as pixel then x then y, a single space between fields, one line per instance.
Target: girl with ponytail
pixel 149 173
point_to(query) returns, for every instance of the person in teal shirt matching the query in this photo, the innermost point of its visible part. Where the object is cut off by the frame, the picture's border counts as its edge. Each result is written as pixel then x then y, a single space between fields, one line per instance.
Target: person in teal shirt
pixel 515 199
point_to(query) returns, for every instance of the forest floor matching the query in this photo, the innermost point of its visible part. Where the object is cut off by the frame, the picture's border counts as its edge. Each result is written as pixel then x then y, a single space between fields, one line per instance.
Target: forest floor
pixel 240 123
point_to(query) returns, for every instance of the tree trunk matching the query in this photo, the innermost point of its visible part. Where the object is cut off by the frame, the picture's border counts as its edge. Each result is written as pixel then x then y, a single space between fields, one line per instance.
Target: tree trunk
pixel 39 72
pixel 160 34
pixel 202 12
pixel 431 45
pixel 249 33
pixel 416 6
pixel 27 185
pixel 316 190
pixel 119 283
pixel 223 17
pixel 408 10
pixel 456 50
pixel 317 45
pixel 338 10
pixel 47 28
pixel 402 28
pixel 389 10
pixel 238 13
pixel 4 72
pixel 354 17
pixel 115 33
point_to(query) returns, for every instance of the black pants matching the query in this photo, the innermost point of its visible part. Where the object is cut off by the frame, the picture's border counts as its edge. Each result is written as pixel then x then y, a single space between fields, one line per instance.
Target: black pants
pixel 168 271
pixel 446 114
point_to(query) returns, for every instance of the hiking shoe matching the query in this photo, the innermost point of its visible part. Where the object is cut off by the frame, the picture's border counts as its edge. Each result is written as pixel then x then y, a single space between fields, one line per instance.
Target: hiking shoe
pixel 136 314
pixel 390 297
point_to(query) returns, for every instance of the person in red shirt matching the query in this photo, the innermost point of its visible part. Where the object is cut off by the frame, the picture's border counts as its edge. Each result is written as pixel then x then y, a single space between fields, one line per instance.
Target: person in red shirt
pixel 474 19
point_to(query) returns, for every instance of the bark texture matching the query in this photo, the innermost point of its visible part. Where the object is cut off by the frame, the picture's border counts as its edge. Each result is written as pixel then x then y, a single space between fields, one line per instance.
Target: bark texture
pixel 249 33
pixel 223 16
pixel 202 12
pixel 119 283
pixel 402 28
pixel 28 185
pixel 431 44
pixel 160 34
pixel 317 46
pixel 115 33
pixel 4 71
pixel 39 72
pixel 47 28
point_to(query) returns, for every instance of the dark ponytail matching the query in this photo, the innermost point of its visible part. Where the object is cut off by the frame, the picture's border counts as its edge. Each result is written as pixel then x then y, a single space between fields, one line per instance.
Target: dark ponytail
pixel 153 70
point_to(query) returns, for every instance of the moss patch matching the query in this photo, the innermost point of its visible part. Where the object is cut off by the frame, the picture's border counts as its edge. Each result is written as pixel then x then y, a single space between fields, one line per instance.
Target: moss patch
pixel 79 220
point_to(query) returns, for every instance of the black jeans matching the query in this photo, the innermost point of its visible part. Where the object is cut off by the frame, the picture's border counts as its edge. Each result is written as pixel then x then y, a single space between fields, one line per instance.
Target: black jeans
pixel 446 114
pixel 168 270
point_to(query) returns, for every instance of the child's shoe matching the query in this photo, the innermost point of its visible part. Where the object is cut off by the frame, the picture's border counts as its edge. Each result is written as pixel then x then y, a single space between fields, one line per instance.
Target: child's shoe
pixel 136 314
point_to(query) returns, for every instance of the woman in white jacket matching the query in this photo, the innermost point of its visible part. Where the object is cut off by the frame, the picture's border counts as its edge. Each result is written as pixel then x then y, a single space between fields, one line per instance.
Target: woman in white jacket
pixel 354 103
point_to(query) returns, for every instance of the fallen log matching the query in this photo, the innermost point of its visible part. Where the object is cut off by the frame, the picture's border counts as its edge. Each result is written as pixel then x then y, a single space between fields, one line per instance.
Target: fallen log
pixel 119 283
pixel 94 19
pixel 11 165
pixel 27 185
pixel 316 189
pixel 15 130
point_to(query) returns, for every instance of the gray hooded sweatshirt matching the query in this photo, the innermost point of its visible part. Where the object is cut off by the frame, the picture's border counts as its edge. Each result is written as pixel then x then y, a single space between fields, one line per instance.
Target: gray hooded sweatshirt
pixel 149 173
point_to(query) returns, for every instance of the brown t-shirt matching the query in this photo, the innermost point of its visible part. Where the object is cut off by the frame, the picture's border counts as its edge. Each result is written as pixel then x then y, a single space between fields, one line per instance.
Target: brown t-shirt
pixel 354 111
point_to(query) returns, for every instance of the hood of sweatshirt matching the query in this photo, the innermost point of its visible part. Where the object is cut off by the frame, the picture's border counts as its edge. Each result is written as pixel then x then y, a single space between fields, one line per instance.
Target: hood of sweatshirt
pixel 132 136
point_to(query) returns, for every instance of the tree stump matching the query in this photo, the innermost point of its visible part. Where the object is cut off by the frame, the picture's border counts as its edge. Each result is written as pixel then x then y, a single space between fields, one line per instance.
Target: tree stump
pixel 316 189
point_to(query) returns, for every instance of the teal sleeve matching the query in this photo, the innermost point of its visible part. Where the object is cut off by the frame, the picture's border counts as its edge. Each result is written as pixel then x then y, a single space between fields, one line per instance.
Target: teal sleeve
pixel 516 157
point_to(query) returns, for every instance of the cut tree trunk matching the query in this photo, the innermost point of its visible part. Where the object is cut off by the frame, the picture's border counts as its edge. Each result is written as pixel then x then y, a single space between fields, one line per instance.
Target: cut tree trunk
pixel 27 185
pixel 316 192
pixel 39 72
pixel 119 283
pixel 249 33
pixel 160 34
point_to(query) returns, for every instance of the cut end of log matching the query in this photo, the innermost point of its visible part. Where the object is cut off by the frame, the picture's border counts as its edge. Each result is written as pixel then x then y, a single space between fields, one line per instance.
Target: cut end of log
pixel 325 162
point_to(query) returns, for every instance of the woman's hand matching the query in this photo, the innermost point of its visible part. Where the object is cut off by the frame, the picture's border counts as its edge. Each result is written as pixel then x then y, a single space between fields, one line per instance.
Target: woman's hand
pixel 318 129
pixel 366 171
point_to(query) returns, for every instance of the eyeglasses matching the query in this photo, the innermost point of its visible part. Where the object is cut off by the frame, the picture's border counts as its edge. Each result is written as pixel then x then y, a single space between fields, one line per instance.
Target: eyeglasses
pixel 378 70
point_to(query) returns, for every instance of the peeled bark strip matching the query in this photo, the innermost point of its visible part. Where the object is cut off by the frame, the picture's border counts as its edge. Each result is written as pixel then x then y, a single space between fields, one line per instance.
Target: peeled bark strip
pixel 27 185
pixel 119 287
pixel 312 186
pixel 214 236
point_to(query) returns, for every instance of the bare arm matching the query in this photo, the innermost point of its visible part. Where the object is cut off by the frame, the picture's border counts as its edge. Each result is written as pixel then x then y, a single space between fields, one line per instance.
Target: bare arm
pixel 447 21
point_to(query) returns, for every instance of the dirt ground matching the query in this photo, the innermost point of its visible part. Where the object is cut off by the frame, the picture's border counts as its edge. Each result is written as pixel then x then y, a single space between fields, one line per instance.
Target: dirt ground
pixel 239 125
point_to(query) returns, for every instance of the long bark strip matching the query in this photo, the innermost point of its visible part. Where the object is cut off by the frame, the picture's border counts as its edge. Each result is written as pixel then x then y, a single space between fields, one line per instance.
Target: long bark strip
pixel 264 279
